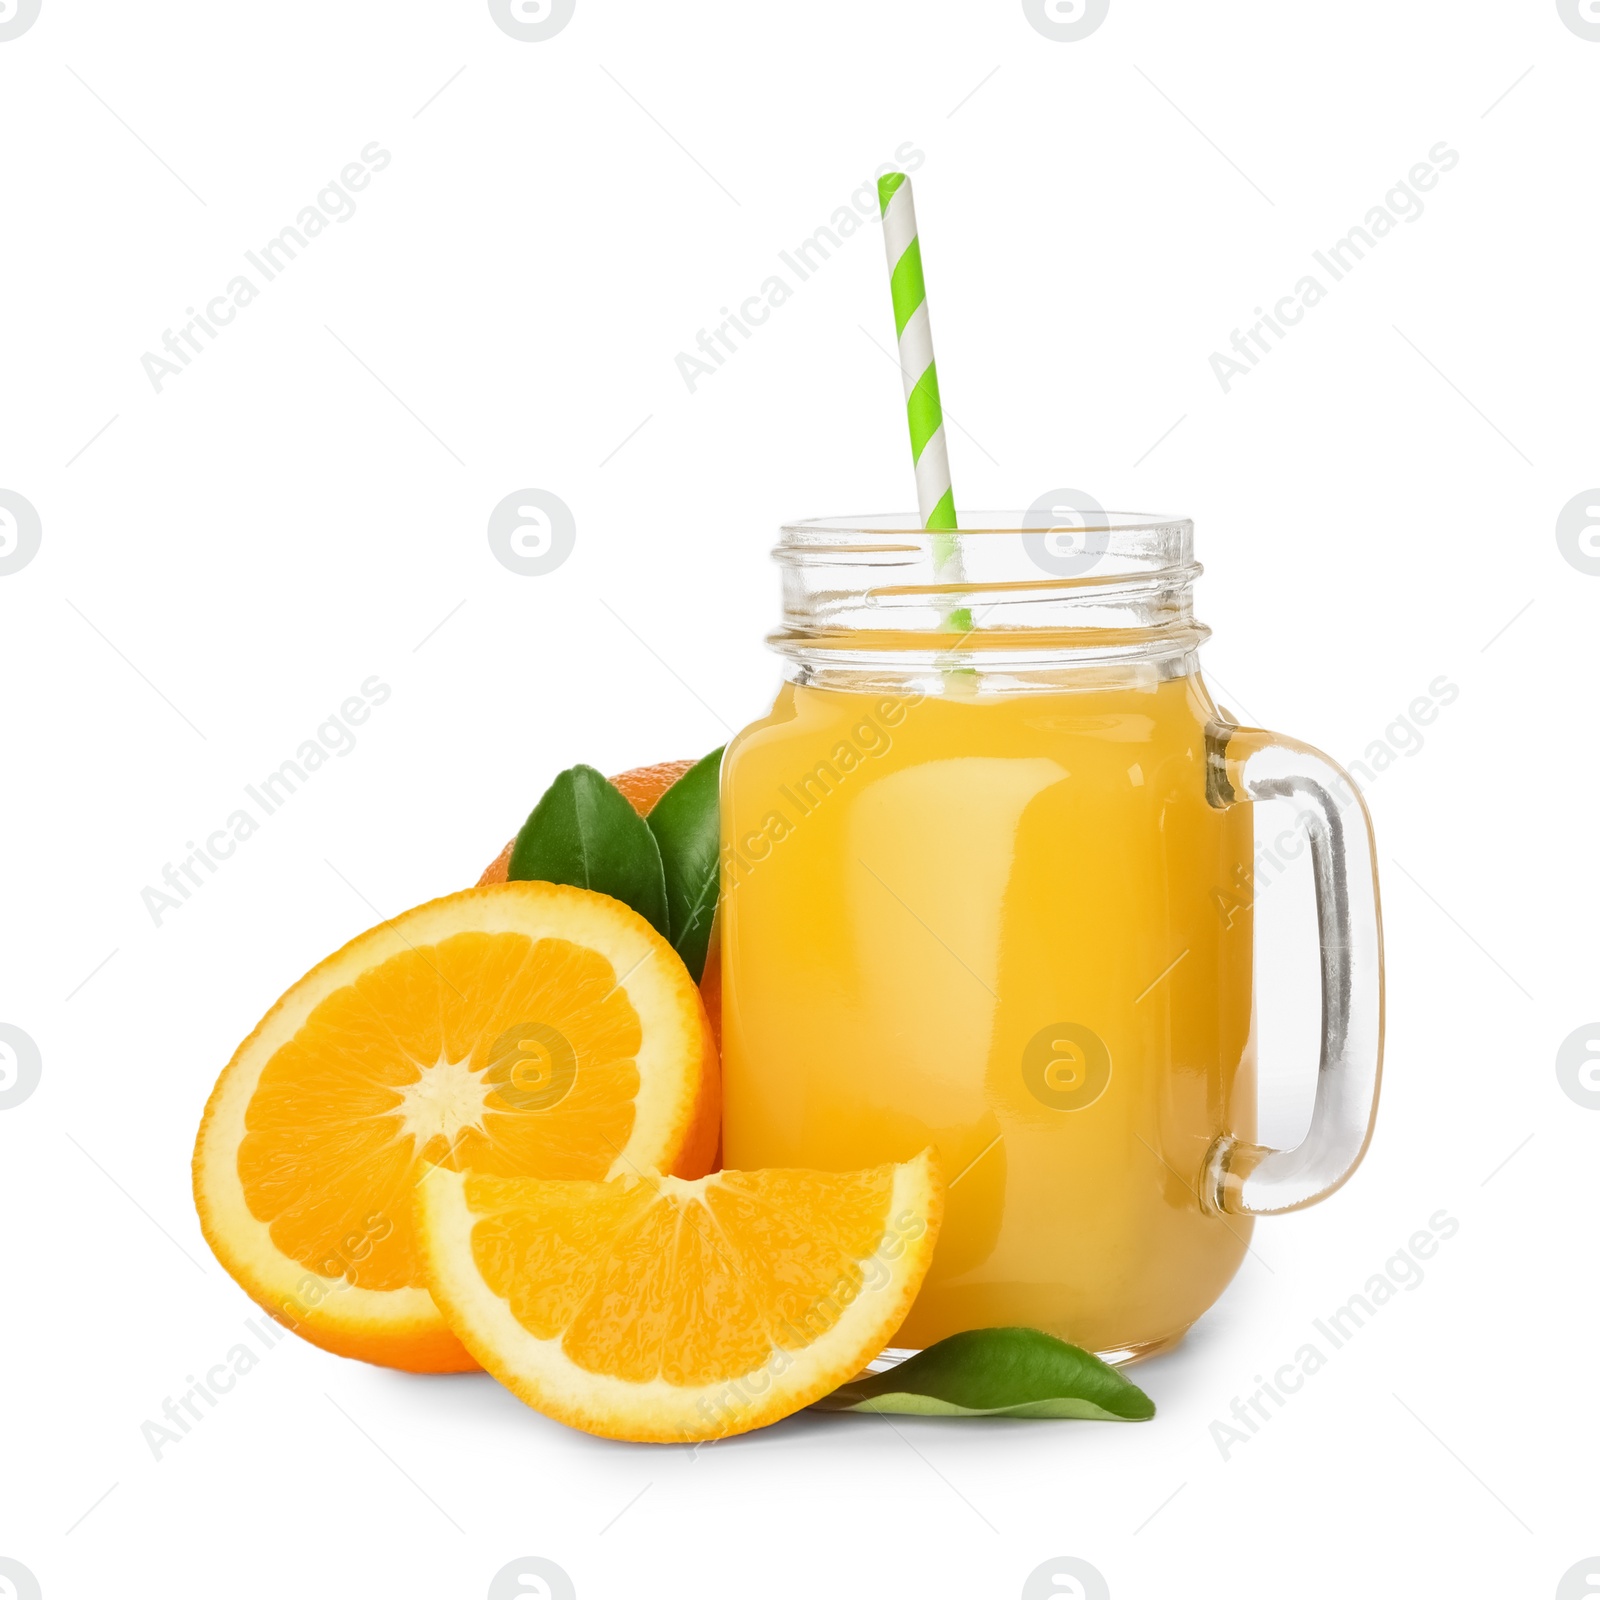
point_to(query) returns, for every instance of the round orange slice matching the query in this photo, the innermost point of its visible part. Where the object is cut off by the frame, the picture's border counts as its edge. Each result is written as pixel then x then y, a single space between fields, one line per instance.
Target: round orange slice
pixel 524 1029
pixel 659 1309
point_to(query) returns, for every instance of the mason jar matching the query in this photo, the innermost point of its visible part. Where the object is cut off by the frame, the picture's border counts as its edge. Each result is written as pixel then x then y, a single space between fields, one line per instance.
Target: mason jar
pixel 988 886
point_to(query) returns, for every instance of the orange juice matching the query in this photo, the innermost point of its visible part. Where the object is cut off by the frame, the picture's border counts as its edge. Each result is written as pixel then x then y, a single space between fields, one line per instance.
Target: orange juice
pixel 1013 927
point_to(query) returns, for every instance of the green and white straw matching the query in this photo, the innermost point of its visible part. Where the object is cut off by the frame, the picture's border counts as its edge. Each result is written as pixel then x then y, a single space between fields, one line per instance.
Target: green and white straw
pixel 935 500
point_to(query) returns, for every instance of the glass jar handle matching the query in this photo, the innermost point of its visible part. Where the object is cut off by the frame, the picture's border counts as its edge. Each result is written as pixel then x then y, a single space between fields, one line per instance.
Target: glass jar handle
pixel 1246 764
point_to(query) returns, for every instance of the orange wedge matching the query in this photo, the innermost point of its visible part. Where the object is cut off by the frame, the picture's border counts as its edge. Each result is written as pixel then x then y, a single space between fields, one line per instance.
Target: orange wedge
pixel 658 1309
pixel 525 1029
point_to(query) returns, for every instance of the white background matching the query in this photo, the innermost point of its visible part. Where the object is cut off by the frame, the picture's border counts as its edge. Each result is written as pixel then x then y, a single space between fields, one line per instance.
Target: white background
pixel 224 562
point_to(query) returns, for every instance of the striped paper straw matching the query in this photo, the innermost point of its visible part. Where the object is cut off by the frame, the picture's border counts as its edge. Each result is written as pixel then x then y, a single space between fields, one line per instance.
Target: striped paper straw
pixel 935 502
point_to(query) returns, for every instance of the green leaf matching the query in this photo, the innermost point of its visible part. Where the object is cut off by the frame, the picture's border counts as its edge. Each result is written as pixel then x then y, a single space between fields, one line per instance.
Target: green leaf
pixel 686 826
pixel 584 832
pixel 998 1372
